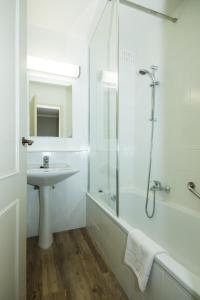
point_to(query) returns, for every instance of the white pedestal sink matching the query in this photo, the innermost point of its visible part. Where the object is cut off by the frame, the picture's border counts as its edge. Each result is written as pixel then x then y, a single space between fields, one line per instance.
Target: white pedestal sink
pixel 45 179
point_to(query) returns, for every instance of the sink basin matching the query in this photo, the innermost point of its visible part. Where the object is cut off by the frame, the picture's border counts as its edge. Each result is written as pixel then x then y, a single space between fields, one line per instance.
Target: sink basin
pixel 45 179
pixel 50 176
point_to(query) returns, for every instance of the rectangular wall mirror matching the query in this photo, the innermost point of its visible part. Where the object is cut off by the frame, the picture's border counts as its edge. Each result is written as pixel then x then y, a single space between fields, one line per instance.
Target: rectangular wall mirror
pixel 50 107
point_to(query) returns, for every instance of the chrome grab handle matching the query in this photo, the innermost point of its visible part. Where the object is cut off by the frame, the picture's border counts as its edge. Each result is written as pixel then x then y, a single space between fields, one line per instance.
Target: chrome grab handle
pixel 26 141
pixel 191 187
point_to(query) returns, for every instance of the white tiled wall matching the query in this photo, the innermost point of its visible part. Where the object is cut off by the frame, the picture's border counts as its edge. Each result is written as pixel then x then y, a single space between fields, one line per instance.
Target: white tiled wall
pixel 175 48
pixel 111 242
pixel 68 197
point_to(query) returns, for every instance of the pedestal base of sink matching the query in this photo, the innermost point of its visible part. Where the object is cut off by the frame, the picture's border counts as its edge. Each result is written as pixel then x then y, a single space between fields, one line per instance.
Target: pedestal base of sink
pixel 45 178
pixel 45 231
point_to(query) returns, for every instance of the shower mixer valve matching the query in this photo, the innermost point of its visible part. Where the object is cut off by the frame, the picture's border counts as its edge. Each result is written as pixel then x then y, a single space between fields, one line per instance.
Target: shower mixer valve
pixel 157 186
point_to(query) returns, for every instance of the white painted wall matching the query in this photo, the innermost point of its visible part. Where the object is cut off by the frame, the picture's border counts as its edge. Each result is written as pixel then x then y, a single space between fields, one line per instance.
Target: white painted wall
pixel 68 202
pixel 57 38
pixel 100 7
pixel 175 49
pixel 47 44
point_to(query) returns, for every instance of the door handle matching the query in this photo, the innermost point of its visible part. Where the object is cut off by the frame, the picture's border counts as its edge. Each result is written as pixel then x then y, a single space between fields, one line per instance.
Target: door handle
pixel 27 141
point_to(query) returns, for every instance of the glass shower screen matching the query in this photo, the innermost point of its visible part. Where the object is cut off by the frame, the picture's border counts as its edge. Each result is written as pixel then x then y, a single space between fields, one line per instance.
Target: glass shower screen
pixel 104 108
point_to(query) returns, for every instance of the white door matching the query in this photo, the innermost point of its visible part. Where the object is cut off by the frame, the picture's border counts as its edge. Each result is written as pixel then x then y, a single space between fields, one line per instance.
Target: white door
pixel 12 153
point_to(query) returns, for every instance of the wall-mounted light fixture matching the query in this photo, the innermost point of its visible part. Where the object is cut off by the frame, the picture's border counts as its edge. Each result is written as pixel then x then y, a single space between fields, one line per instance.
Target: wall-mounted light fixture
pixel 109 79
pixel 39 64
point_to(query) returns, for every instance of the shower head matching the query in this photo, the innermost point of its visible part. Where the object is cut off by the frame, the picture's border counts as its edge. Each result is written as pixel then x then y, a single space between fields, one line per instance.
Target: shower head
pixel 143 72
pixel 150 74
pixel 146 72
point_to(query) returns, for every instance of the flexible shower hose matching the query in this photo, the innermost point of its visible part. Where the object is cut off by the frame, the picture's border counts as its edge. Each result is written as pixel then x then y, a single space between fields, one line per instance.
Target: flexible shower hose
pixel 152 119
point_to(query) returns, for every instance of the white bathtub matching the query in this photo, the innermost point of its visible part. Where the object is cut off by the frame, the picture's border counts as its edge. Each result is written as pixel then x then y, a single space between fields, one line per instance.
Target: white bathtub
pixel 174 228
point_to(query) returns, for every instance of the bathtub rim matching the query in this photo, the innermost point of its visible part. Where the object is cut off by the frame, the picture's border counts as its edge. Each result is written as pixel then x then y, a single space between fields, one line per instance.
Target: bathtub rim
pixel 181 274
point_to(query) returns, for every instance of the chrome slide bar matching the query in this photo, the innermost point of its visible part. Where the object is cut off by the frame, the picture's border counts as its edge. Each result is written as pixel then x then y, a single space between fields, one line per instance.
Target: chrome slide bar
pixel 191 187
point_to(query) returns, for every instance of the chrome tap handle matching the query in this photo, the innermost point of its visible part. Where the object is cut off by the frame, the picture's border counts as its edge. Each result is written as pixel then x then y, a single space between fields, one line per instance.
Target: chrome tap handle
pixel 157 186
pixel 45 161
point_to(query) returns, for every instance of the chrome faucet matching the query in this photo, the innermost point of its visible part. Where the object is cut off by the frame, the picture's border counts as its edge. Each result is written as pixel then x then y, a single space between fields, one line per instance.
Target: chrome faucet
pixel 157 186
pixel 45 162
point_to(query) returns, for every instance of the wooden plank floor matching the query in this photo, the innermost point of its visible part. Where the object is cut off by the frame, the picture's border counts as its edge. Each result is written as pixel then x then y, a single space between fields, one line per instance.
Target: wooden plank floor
pixel 71 269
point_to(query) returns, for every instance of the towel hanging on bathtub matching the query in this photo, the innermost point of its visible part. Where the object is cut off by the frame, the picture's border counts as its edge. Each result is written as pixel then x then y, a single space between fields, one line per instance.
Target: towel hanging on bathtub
pixel 139 255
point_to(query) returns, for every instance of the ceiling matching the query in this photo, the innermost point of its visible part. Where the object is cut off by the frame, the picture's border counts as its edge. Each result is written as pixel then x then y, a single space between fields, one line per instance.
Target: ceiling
pixel 69 17
pixel 74 17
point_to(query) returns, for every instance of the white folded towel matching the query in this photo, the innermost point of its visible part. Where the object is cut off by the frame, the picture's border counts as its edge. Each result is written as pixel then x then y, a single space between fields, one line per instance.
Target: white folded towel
pixel 139 256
